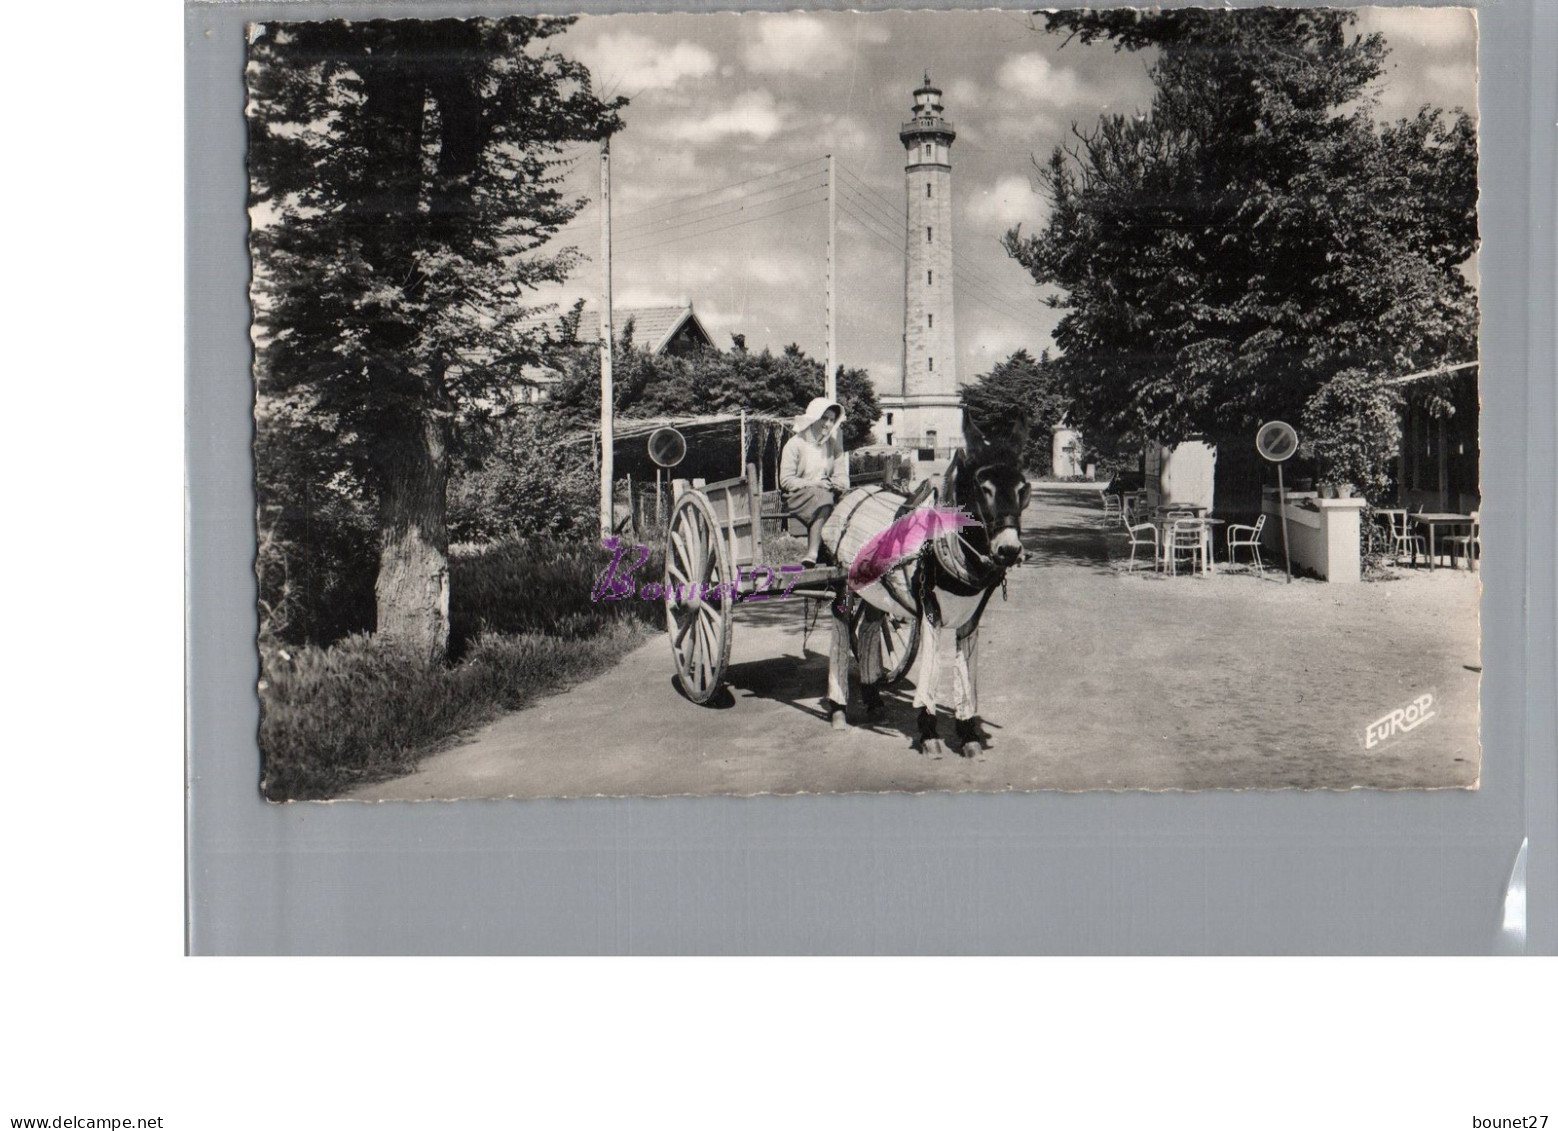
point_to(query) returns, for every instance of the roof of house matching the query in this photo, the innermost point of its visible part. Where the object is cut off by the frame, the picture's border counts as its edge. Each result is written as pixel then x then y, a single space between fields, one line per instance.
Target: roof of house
pixel 653 326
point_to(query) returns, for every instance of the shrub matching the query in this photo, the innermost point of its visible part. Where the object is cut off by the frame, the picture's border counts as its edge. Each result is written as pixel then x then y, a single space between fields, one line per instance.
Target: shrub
pixel 530 485
pixel 1354 431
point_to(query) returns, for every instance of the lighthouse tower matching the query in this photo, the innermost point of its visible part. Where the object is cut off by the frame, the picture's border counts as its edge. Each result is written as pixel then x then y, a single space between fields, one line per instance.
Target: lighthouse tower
pixel 925 412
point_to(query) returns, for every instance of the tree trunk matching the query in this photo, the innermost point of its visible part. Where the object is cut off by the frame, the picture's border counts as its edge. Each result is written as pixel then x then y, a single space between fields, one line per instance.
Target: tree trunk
pixel 413 583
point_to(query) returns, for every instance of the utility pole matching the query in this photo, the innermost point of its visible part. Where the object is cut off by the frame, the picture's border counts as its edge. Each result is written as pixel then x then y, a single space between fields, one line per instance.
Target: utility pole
pixel 830 381
pixel 607 470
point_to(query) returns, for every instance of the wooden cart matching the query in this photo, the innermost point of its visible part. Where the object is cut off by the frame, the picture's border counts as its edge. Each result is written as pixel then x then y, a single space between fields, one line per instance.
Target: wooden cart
pixel 714 563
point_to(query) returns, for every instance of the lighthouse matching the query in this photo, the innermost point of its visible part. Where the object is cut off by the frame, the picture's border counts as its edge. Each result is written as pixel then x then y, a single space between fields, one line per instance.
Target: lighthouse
pixel 924 411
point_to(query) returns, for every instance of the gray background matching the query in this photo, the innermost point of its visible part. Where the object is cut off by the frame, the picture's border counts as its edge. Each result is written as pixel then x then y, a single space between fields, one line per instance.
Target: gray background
pixel 1222 872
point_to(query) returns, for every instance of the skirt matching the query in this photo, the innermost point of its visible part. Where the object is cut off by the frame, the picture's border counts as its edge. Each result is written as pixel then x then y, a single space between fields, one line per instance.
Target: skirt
pixel 805 502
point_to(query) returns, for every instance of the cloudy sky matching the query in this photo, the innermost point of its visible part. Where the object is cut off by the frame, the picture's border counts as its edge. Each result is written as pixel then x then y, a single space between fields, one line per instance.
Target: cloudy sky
pixel 719 177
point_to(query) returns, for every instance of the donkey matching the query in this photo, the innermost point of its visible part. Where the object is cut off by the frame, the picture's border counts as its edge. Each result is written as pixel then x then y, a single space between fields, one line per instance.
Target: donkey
pixel 959 572
pixel 952 581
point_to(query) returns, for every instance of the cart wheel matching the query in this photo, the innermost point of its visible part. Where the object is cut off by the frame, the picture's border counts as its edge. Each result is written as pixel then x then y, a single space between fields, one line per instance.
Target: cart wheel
pixel 900 641
pixel 696 565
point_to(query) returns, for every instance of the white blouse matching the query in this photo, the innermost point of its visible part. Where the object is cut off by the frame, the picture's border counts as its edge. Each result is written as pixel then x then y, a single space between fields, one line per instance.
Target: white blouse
pixel 804 464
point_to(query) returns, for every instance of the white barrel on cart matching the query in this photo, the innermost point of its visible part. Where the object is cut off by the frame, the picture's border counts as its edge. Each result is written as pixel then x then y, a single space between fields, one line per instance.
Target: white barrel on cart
pixel 861 514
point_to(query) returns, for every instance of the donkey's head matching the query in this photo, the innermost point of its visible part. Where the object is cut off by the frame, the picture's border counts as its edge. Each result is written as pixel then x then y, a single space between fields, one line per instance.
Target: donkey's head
pixel 992 485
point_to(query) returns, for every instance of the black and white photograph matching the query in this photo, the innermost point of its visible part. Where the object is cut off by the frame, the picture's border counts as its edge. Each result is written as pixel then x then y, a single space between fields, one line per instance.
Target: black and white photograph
pixel 705 404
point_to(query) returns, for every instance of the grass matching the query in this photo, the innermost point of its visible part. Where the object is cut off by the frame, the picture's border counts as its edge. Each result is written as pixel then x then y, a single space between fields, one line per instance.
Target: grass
pixel 542 586
pixel 522 626
pixel 361 711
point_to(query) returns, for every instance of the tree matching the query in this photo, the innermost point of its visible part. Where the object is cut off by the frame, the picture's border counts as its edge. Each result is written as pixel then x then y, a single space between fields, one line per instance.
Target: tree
pixel 404 178
pixel 1020 386
pixel 1220 258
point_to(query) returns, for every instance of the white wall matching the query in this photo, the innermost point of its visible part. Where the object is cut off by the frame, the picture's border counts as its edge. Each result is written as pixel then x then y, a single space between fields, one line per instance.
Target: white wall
pixel 1186 473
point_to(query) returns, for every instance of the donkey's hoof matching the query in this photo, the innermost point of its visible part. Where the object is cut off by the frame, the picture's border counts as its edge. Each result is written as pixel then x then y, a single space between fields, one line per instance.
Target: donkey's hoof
pixel 971 739
pixel 836 717
pixel 931 747
pixel 872 696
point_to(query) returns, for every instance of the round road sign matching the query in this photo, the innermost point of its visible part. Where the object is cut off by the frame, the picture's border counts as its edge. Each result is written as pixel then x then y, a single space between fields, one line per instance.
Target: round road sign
pixel 667 447
pixel 1276 441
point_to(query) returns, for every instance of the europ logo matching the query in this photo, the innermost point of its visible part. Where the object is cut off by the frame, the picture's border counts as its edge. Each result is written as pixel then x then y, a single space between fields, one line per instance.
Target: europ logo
pixel 1399 721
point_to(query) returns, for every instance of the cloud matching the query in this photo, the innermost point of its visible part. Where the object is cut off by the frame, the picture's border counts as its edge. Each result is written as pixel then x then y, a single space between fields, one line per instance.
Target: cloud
pixel 1032 75
pixel 632 63
pixel 755 114
pixel 626 299
pixel 1438 29
pixel 777 269
pixel 846 134
pixel 990 343
pixel 964 93
pixel 790 43
pixel 1004 203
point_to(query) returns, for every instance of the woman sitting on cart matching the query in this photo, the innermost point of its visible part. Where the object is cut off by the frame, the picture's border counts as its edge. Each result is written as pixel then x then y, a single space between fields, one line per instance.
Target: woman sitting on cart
pixel 813 470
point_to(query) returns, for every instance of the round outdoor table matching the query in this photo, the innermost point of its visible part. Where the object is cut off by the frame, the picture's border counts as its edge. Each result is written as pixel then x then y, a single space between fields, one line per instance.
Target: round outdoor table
pixel 1165 524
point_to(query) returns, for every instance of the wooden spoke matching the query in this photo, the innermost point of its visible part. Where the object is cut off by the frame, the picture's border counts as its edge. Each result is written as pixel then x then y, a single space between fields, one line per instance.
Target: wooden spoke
pixel 701 540
pixel 701 654
pixel 683 556
pixel 684 622
pixel 699 629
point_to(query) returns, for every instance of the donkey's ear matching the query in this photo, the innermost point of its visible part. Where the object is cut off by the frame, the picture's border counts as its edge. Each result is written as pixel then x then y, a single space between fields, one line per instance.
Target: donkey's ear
pixel 972 436
pixel 1019 433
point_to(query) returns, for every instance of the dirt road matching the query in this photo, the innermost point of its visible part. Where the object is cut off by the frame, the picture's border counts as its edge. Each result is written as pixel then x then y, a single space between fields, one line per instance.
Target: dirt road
pixel 1090 678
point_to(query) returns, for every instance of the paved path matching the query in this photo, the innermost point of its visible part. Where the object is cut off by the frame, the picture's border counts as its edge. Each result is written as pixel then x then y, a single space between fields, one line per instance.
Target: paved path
pixel 1091 678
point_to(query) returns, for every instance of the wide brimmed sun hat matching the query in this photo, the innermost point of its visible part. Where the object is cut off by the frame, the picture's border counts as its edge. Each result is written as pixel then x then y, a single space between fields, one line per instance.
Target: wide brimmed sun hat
pixel 815 411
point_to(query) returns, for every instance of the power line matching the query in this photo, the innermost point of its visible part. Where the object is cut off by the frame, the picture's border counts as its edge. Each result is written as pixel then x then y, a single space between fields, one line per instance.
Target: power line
pixel 887 207
pixel 726 207
pixel 972 289
pixel 652 234
pixel 654 226
pixel 649 243
pixel 895 241
pixel 891 223
pixel 724 227
pixel 870 229
pixel 750 194
pixel 980 292
pixel 723 188
pixel 972 276
pixel 893 217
